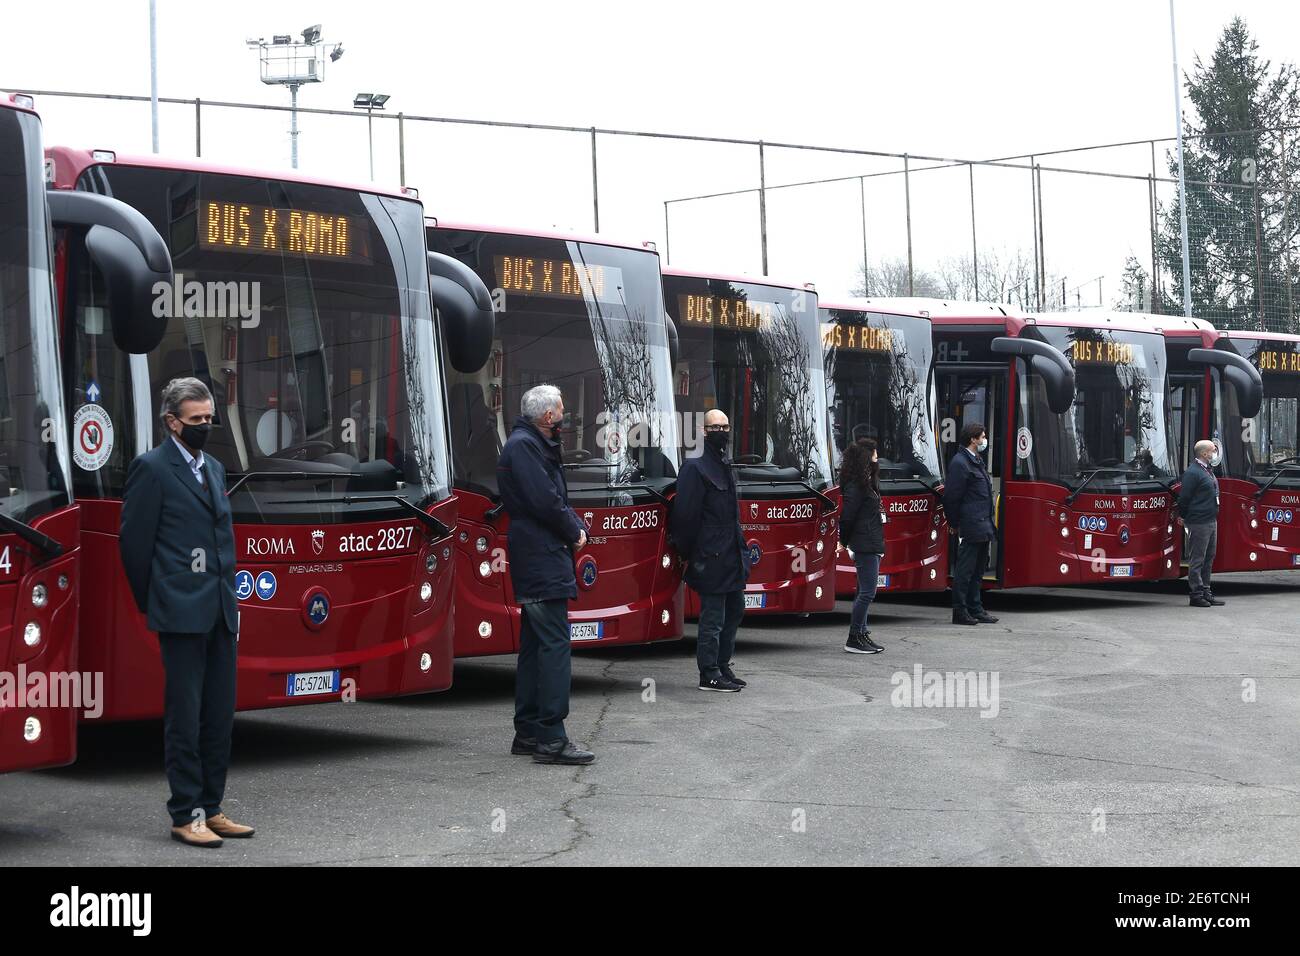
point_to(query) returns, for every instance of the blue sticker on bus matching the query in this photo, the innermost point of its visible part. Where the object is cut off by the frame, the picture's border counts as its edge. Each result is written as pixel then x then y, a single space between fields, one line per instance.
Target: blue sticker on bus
pixel 244 585
pixel 265 585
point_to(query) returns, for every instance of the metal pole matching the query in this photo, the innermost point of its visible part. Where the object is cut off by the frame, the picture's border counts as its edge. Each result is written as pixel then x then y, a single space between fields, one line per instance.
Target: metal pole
pixel 198 127
pixel 1100 301
pixel 974 249
pixel 1286 234
pixel 293 126
pixel 762 202
pixel 153 70
pixel 668 246
pixel 595 183
pixel 1259 259
pixel 370 138
pixel 1042 246
pixel 1155 262
pixel 866 274
pixel 1182 183
pixel 907 200
pixel 401 149
pixel 1033 209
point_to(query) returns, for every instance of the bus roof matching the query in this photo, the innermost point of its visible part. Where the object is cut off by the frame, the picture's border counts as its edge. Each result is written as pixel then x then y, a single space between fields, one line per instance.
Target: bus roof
pixel 434 222
pixel 1269 336
pixel 742 279
pixel 18 101
pixel 70 163
pixel 870 305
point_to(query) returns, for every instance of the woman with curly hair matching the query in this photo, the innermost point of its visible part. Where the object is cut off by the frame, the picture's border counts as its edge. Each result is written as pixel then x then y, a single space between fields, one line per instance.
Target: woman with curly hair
pixel 862 531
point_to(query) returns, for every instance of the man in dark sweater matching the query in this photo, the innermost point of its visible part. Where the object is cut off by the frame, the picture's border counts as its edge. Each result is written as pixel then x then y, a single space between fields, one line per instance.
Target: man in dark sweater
pixel 1198 503
pixel 968 503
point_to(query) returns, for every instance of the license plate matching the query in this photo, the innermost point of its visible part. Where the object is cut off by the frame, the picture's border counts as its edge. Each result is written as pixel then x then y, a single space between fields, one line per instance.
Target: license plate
pixel 1295 560
pixel 310 683
pixel 755 600
pixel 1121 571
pixel 882 581
pixel 587 631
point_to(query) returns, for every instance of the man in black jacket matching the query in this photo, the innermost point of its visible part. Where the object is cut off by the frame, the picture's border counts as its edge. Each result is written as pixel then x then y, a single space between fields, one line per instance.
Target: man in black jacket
pixel 178 551
pixel 968 503
pixel 706 532
pixel 1198 503
pixel 544 534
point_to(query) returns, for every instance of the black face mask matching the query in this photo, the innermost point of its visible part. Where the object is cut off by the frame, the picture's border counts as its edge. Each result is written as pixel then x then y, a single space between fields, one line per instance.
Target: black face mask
pixel 563 425
pixel 195 436
pixel 718 441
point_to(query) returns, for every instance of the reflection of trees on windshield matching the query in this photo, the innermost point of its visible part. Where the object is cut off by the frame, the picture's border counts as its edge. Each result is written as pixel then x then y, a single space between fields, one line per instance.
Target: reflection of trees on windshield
pixel 788 392
pixel 626 362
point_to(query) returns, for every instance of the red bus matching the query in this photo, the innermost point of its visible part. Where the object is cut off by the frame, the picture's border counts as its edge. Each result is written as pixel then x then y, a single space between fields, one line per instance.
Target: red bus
pixel 1080 447
pixel 753 348
pixel 880 381
pixel 42 688
pixel 307 308
pixel 586 315
pixel 1242 390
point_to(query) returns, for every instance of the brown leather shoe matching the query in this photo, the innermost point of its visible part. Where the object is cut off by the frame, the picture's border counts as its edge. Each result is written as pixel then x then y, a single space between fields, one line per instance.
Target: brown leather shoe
pixel 223 826
pixel 196 834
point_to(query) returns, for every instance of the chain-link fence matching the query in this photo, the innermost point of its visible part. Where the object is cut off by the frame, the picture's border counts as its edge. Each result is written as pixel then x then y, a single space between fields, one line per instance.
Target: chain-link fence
pixel 1094 227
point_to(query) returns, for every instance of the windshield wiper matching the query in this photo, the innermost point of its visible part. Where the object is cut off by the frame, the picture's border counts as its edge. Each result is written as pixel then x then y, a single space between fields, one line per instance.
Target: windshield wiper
pixel 931 485
pixel 827 504
pixel 438 527
pixel 1069 499
pixel 1281 471
pixel 48 546
pixel 289 476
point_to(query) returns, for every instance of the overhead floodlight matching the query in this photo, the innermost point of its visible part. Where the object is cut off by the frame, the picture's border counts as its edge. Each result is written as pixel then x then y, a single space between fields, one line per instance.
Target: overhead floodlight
pixel 336 52
pixel 311 34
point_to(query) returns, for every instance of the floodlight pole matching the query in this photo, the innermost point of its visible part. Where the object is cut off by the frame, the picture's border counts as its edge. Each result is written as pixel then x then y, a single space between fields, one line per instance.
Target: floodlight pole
pixel 1182 182
pixel 293 125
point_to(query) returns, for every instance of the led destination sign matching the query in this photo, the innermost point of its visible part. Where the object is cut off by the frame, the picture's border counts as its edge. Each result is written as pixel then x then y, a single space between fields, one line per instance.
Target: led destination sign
pixel 847 337
pixel 559 278
pixel 1090 352
pixel 246 227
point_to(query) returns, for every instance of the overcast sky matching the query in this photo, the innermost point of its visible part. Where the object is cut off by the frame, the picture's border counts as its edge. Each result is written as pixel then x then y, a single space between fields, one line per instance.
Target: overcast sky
pixel 958 79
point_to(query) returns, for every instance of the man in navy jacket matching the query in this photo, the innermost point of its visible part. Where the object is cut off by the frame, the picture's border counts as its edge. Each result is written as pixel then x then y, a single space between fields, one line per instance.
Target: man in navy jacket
pixel 544 534
pixel 178 551
pixel 968 503
pixel 706 532
pixel 1198 504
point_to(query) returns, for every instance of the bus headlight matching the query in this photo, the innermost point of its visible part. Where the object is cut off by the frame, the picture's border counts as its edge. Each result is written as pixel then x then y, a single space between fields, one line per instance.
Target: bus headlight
pixel 426 591
pixel 1254 523
pixel 823 527
pixel 1253 556
pixel 1251 511
pixel 933 574
pixel 32 632
pixel 484 569
pixel 1065 568
pixel 666 562
pixel 1169 563
pixel 40 597
pixel 31 730
pixel 463 536
pixel 663 616
pixel 425 662
pixel 484 629
pixel 1169 529
pixel 63 582
pixel 818 593
pixel 431 562
pixel 1065 532
pixel 821 546
pixel 934 534
pixel 1062 517
pixel 480 545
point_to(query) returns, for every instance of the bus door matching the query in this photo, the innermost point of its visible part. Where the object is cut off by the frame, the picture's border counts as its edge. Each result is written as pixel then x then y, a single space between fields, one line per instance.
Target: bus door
pixel 1186 404
pixel 975 395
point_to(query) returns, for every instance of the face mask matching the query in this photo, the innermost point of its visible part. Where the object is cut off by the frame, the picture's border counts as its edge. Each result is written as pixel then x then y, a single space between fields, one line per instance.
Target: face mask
pixel 562 424
pixel 718 441
pixel 984 444
pixel 195 436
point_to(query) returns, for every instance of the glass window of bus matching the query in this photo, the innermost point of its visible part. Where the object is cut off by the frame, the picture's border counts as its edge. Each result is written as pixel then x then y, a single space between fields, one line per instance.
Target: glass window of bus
pixel 33 451
pixel 1118 426
pixel 587 318
pixel 755 352
pixel 305 309
pixel 878 380
pixel 1266 447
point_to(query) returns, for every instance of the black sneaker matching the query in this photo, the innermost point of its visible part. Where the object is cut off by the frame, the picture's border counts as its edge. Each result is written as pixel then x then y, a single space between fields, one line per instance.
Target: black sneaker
pixel 730 675
pixel 866 636
pixel 962 616
pixel 984 617
pixel 562 752
pixel 858 644
pixel 720 684
pixel 1198 600
pixel 522 746
pixel 1214 602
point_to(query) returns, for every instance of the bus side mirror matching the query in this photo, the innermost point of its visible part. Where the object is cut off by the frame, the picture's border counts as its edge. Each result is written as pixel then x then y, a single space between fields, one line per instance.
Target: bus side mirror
pixel 465 309
pixel 131 256
pixel 670 327
pixel 1241 375
pixel 1052 367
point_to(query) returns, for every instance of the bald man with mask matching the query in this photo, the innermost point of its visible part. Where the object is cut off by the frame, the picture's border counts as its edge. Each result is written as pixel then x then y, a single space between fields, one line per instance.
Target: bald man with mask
pixel 1198 504
pixel 706 532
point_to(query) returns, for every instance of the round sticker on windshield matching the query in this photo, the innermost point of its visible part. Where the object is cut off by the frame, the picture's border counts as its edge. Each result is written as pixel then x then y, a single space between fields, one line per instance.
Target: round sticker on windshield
pixel 92 437
pixel 1218 453
pixel 1024 443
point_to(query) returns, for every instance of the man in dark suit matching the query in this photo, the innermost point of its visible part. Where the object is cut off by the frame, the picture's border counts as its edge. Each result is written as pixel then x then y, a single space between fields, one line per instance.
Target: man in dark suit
pixel 706 532
pixel 1198 505
pixel 968 503
pixel 544 534
pixel 178 550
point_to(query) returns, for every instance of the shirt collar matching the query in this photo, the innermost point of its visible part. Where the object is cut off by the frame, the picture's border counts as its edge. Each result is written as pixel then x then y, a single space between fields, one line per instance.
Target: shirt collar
pixel 194 463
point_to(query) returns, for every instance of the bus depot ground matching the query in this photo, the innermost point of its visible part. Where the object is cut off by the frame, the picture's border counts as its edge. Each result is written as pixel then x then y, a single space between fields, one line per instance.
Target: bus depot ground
pixel 1124 736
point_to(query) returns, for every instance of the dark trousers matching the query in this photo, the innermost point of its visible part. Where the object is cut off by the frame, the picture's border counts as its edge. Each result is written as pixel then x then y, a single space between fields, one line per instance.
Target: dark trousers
pixel 868 566
pixel 543 672
pixel 972 562
pixel 198 717
pixel 720 616
pixel 1202 540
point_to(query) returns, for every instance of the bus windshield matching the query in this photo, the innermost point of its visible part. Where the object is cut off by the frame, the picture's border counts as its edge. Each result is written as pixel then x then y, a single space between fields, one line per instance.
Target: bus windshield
pixel 587 318
pixel 755 352
pixel 34 478
pixel 1116 434
pixel 306 310
pixel 1267 452
pixel 878 381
